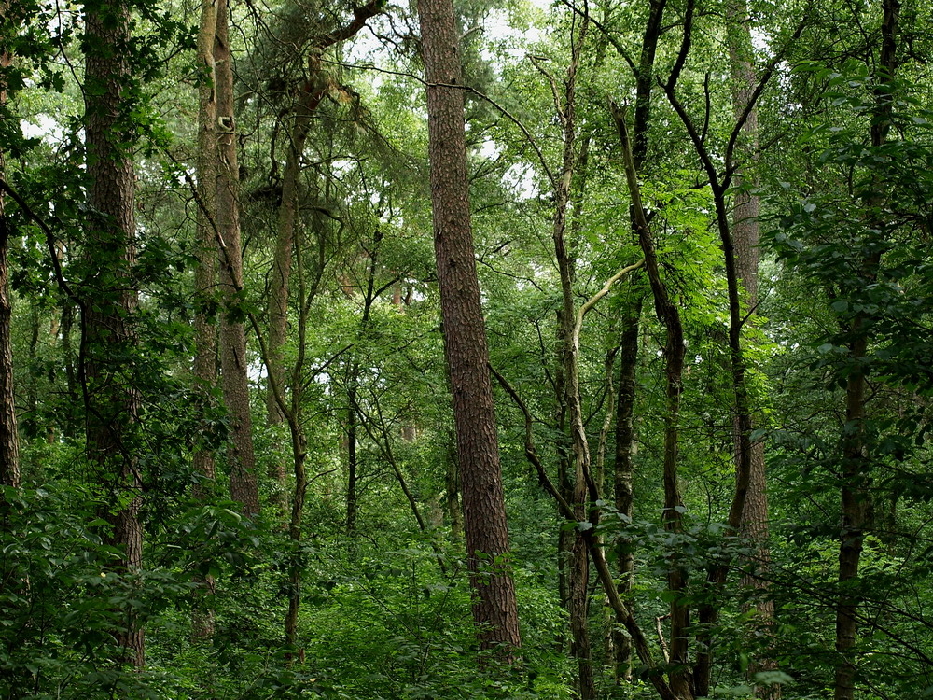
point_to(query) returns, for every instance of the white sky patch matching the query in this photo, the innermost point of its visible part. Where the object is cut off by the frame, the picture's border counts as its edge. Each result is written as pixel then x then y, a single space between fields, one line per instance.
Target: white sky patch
pixel 514 41
pixel 489 149
pixel 521 177
pixel 42 126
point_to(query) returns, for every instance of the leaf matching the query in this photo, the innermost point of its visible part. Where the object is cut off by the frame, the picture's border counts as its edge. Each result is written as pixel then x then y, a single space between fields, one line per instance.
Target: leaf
pixel 772 677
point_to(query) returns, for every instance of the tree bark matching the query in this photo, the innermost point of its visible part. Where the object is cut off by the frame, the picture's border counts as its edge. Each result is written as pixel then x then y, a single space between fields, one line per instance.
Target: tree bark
pixel 112 404
pixel 495 610
pixel 10 473
pixel 745 237
pixel 205 277
pixel 244 485
pixel 625 472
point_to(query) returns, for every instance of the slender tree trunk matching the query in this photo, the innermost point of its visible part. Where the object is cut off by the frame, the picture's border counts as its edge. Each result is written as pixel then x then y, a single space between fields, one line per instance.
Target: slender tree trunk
pixel 205 361
pixel 299 454
pixel 628 347
pixel 856 462
pixel 854 521
pixel 281 274
pixel 10 474
pixel 452 488
pixel 576 488
pixel 244 485
pixel 312 91
pixel 625 472
pixel 112 406
pixel 351 453
pixel 674 351
pixel 495 610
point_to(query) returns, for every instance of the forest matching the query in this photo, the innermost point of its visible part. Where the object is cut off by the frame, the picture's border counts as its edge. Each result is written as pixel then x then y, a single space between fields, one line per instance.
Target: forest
pixel 559 349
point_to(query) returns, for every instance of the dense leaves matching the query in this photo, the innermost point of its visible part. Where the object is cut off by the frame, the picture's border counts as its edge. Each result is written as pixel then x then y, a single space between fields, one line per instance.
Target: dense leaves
pixel 843 165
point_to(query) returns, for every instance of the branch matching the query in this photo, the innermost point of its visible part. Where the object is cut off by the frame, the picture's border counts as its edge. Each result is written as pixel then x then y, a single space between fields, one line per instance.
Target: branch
pixel 361 15
pixel 483 96
pixel 552 81
pixel 588 306
pixel 49 238
pixel 531 453
pixel 756 94
pixel 608 34
pixel 684 47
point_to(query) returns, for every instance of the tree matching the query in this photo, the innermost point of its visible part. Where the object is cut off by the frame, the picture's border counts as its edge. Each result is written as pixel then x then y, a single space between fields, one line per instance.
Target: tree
pixel 746 241
pixel 9 433
pixel 495 610
pixel 244 483
pixel 111 402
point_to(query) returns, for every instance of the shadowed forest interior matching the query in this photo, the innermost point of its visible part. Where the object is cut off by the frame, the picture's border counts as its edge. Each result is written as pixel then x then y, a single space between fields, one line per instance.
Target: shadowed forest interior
pixel 477 349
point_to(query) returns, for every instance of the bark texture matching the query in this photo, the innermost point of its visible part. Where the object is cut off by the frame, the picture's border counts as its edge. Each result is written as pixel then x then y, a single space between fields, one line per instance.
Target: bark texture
pixel 745 238
pixel 205 276
pixel 10 474
pixel 111 401
pixel 244 484
pixel 495 610
pixel 625 472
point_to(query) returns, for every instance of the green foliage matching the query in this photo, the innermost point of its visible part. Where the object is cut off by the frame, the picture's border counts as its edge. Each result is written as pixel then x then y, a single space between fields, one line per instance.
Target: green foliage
pixel 385 607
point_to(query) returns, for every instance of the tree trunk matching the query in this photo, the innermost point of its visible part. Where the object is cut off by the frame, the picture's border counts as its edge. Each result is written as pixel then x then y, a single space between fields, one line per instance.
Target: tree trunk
pixel 856 462
pixel 854 520
pixel 312 91
pixel 281 273
pixel 351 455
pixel 625 472
pixel 495 611
pixel 452 488
pixel 244 485
pixel 628 344
pixel 575 486
pixel 674 351
pixel 112 406
pixel 10 474
pixel 205 359
pixel 745 237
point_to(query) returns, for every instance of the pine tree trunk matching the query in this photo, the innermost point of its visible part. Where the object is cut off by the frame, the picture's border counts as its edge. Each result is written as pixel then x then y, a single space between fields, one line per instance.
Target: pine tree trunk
pixel 10 474
pixel 244 485
pixel 205 277
pixel 495 611
pixel 112 405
